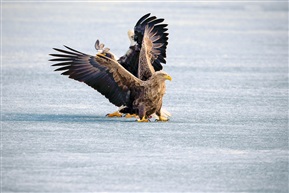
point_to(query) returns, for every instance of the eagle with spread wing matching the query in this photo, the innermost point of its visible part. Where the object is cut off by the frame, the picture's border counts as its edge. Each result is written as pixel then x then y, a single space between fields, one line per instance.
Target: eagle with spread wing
pixel 135 81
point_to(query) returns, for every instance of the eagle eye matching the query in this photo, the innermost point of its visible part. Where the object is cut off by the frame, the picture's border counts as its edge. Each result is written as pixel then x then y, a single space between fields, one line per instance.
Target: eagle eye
pixel 108 55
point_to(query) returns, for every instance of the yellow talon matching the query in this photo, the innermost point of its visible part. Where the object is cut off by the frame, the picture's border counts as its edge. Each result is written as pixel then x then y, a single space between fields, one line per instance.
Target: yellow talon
pixel 114 114
pixel 130 115
pixel 163 119
pixel 143 119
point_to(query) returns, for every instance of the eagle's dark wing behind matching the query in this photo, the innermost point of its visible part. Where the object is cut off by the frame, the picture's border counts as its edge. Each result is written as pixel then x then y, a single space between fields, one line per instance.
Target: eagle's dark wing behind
pixel 106 76
pixel 131 58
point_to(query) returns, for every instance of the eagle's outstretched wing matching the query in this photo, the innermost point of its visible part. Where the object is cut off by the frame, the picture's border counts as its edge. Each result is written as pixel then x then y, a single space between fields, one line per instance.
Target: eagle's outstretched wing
pixel 148 53
pixel 101 73
pixel 131 59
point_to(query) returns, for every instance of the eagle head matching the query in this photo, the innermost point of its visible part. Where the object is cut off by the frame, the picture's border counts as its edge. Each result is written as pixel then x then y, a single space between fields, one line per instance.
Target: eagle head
pixel 130 34
pixel 106 53
pixel 101 50
pixel 161 75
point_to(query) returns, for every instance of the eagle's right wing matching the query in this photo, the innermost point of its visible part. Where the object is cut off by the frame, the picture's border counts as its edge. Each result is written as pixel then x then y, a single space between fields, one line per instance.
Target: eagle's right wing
pixel 148 52
pixel 131 59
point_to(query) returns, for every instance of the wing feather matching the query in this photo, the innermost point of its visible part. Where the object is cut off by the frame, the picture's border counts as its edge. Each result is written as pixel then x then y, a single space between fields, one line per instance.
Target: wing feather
pixel 103 74
pixel 160 38
pixel 148 52
pixel 143 18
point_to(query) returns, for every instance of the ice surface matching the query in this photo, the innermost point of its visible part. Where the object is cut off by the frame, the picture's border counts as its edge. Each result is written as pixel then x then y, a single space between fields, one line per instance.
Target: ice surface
pixel 228 97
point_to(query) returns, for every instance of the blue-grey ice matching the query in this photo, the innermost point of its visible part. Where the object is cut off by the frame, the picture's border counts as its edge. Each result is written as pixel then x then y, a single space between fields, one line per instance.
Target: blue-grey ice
pixel 228 98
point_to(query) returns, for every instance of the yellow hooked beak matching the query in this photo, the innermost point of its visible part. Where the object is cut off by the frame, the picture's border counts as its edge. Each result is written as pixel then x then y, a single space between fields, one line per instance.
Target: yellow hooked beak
pixel 100 55
pixel 168 77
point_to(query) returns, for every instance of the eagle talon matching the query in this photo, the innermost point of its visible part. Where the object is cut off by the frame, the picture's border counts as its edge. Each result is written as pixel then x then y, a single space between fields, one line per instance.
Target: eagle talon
pixel 128 115
pixel 143 120
pixel 114 114
pixel 162 119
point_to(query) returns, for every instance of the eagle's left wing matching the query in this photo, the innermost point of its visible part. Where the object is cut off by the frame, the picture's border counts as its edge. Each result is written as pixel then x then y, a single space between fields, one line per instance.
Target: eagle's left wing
pixel 100 72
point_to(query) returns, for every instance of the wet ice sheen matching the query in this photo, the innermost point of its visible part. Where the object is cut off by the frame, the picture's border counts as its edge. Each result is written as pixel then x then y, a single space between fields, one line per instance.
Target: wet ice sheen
pixel 228 97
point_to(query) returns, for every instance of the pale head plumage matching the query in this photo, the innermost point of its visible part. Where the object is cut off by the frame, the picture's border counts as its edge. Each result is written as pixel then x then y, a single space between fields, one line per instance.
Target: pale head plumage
pixel 130 34
pixel 104 51
pixel 162 75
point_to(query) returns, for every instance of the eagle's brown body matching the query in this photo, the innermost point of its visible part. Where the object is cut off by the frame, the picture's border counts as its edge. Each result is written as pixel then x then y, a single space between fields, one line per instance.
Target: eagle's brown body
pixel 145 96
pixel 151 92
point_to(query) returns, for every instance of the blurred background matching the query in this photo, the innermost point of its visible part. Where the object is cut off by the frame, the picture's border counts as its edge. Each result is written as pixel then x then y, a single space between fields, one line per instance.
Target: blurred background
pixel 228 98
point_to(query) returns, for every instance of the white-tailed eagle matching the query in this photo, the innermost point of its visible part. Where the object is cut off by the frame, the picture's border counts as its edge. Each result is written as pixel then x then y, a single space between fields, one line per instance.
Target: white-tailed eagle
pixel 135 81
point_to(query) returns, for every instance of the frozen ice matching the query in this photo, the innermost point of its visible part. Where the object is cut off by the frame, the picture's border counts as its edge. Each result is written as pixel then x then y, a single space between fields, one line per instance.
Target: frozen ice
pixel 228 98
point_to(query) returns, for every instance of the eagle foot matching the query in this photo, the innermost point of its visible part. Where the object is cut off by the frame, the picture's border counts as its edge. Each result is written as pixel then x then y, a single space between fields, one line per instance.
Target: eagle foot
pixel 128 115
pixel 143 120
pixel 114 114
pixel 162 119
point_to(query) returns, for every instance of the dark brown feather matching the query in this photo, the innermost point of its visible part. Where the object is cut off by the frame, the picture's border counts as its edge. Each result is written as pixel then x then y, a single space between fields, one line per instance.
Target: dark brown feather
pixel 87 69
pixel 130 60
